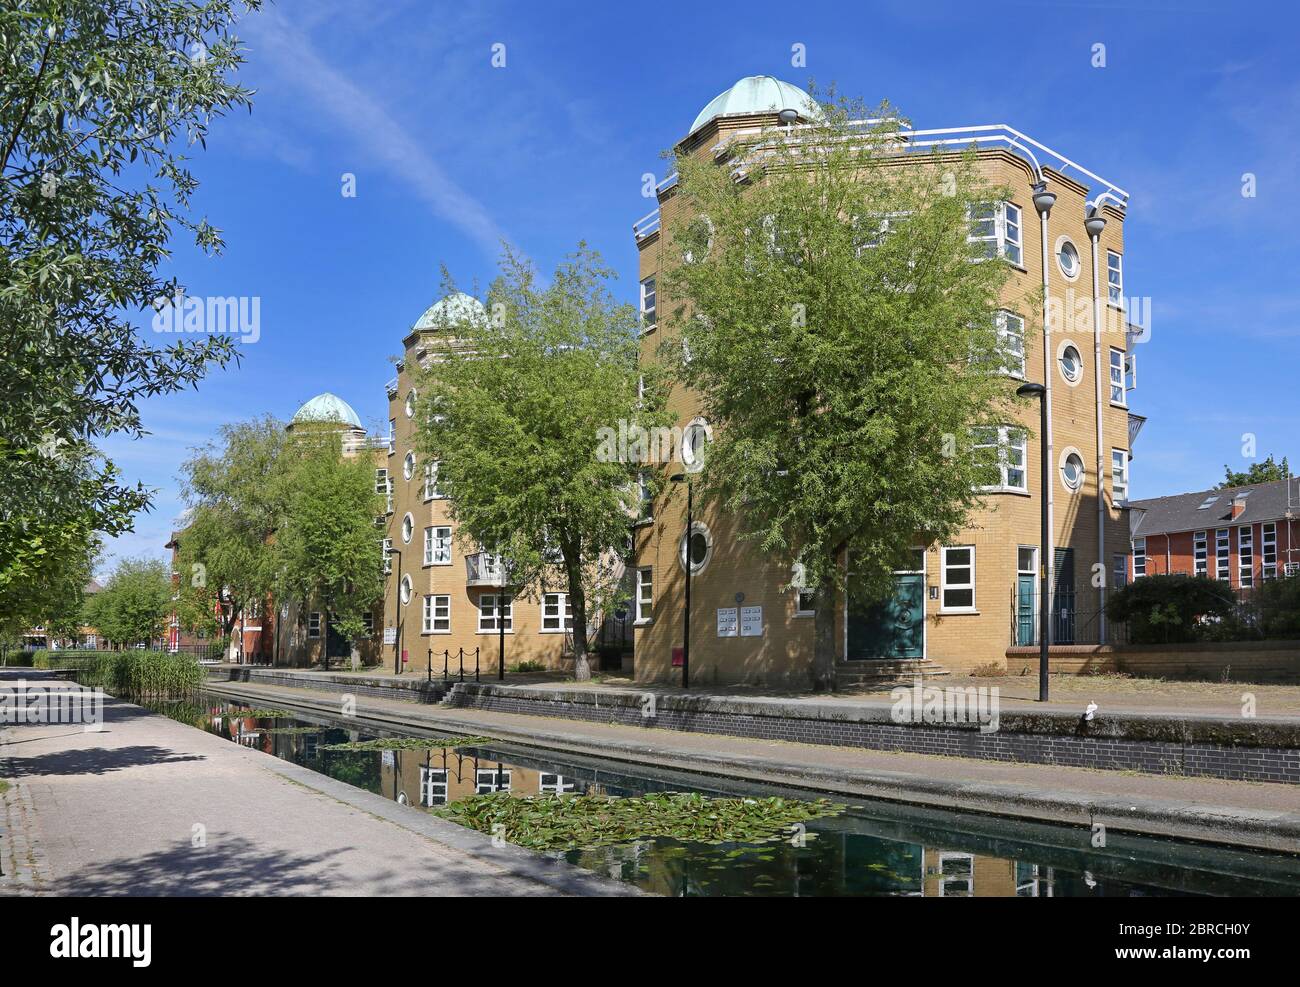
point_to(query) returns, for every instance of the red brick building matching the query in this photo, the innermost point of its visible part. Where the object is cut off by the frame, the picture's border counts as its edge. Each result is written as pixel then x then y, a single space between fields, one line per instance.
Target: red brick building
pixel 1240 535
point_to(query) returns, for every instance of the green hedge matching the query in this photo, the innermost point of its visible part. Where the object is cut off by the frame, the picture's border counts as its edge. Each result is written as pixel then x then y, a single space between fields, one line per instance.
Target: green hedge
pixel 1179 609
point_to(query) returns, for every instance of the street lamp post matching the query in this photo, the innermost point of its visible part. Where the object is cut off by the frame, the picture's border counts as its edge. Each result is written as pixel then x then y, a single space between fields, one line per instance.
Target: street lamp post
pixel 1044 613
pixel 690 525
pixel 397 601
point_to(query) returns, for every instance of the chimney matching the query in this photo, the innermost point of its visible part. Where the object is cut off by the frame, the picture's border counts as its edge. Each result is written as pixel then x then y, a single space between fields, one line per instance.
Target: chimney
pixel 1238 506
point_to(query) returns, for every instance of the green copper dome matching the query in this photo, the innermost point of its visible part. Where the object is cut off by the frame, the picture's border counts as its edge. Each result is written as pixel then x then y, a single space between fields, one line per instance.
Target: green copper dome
pixel 456 307
pixel 758 94
pixel 327 407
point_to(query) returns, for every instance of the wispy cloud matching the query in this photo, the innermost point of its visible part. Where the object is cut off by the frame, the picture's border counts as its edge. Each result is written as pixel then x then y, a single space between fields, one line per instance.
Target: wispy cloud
pixel 288 50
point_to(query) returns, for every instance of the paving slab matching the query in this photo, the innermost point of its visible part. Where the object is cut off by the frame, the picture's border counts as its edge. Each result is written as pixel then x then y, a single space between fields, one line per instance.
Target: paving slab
pixel 150 806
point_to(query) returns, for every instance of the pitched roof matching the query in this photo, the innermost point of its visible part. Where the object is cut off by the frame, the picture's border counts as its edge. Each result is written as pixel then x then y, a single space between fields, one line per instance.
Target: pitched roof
pixel 1212 508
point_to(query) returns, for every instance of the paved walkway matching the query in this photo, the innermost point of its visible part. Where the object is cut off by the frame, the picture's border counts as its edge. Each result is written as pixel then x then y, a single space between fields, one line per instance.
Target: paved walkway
pixel 121 812
pixel 1238 812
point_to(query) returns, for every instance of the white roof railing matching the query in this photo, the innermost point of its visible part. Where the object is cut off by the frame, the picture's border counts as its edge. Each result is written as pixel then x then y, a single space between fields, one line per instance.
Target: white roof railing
pixel 996 134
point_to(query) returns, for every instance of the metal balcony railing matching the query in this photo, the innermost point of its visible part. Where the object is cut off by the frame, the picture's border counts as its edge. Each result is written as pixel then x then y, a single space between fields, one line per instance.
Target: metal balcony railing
pixel 484 569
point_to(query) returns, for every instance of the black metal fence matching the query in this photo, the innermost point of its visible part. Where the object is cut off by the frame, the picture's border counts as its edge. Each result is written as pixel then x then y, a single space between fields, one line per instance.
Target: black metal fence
pixel 1078 617
pixel 454 666
pixel 1074 618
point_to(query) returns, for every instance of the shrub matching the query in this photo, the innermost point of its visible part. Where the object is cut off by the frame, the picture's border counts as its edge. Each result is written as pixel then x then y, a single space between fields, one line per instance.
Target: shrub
pixel 130 674
pixel 1176 609
pixel 1278 601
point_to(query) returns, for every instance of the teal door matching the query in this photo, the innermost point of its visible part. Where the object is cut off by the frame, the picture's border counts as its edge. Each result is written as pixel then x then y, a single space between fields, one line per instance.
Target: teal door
pixel 894 628
pixel 1025 610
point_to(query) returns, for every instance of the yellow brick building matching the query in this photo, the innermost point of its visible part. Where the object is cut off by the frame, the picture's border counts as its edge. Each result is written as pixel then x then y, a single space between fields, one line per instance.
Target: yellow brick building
pixel 963 603
pixel 444 594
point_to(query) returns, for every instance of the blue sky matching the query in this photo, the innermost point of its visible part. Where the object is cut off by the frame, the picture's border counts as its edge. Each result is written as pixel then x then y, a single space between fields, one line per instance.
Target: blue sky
pixel 451 154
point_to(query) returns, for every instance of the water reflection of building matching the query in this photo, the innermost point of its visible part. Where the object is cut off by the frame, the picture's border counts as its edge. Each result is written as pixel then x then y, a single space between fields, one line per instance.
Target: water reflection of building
pixel 440 776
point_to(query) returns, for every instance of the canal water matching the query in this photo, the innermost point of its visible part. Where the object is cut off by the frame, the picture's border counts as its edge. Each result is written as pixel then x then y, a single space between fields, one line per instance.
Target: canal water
pixel 874 849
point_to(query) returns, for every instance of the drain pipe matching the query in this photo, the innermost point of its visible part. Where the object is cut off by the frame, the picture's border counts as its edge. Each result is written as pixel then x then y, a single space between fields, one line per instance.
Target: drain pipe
pixel 1043 202
pixel 1094 223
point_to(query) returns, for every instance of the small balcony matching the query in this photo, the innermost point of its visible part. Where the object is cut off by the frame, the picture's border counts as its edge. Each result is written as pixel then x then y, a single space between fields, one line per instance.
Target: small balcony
pixel 484 569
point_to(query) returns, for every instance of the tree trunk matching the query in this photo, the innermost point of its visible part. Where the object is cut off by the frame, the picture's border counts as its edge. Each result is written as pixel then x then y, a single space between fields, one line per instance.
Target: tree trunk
pixel 823 674
pixel 356 657
pixel 577 597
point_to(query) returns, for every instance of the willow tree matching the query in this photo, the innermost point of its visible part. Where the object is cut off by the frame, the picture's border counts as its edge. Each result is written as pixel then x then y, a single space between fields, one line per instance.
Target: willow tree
pixel 825 302
pixel 513 405
pixel 325 545
pixel 99 101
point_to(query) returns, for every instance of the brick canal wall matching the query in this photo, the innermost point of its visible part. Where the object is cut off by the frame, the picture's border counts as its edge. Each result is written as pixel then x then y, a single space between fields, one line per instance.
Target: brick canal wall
pixel 1240 749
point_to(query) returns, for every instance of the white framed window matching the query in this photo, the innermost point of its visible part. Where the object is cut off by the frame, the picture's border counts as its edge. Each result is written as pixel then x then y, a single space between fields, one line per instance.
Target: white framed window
pixel 313 624
pixel 648 310
pixel 1222 555
pixel 557 613
pixel 406 589
pixel 553 784
pixel 645 503
pixel 437 545
pixel 1070 363
pixel 805 603
pixel 433 786
pixel 1139 557
pixel 1268 549
pixel 644 595
pixel 1200 553
pixel 368 620
pixel 436 615
pixel 487 613
pixel 1012 448
pixel 1114 279
pixel 381 481
pixel 386 550
pixel 408 466
pixel 699 547
pixel 392 436
pixel 1067 258
pixel 1119 475
pixel 995 228
pixel 431 489
pixel 957 579
pixel 1011 343
pixel 409 405
pixel 1246 556
pixel 408 528
pixel 1117 389
pixel 489 780
pixel 1119 570
pixel 1072 470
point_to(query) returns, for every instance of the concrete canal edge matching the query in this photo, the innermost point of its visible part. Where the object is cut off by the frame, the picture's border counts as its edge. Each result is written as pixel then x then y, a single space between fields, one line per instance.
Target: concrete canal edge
pixel 1266 829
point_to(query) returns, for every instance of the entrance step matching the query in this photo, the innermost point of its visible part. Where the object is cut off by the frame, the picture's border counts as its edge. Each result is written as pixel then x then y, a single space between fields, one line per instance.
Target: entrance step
pixel 885 672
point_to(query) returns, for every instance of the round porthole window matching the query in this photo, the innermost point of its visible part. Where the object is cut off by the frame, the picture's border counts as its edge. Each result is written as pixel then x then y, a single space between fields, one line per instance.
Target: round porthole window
pixel 408 465
pixel 408 527
pixel 1067 256
pixel 1072 471
pixel 699 240
pixel 406 589
pixel 695 439
pixel 410 403
pixel 1071 363
pixel 699 544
